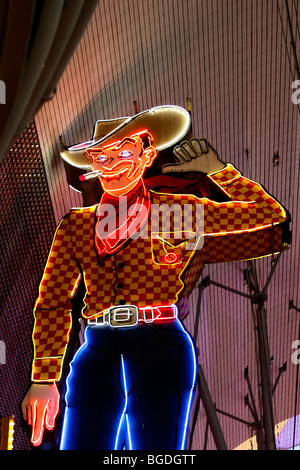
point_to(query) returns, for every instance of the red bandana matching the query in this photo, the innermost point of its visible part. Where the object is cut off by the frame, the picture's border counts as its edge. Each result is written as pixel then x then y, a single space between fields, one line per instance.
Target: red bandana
pixel 121 218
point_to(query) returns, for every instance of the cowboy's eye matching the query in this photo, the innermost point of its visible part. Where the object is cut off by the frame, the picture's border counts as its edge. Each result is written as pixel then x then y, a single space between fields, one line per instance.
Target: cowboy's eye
pixel 125 154
pixel 100 159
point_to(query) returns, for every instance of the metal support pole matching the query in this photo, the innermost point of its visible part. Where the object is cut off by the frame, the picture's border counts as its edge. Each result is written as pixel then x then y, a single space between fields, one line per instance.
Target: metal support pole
pixel 274 265
pixel 296 399
pixel 293 307
pixel 210 411
pixel 257 425
pixel 236 418
pixel 201 288
pixel 206 435
pixel 255 413
pixel 293 44
pixel 264 424
pixel 281 370
pixel 265 376
pixel 264 353
pixel 230 289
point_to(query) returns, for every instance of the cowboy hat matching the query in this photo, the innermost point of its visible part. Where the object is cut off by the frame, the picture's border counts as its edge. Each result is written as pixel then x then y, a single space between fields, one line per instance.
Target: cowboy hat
pixel 167 125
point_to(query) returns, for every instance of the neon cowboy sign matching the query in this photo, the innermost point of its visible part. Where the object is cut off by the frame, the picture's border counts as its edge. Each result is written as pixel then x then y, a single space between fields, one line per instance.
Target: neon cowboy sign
pixel 139 253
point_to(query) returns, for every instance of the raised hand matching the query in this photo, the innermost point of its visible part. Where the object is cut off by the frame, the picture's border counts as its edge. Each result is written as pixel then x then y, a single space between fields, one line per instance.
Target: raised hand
pixel 195 155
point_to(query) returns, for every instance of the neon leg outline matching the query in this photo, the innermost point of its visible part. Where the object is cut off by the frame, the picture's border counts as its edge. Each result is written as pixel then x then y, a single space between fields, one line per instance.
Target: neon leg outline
pixel 64 426
pixel 188 411
pixel 125 411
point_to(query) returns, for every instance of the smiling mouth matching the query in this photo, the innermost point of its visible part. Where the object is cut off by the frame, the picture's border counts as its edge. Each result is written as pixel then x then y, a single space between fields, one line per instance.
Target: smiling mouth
pixel 112 175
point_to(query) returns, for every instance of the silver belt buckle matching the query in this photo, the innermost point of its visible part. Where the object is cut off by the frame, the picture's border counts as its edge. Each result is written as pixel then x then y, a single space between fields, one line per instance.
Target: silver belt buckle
pixel 123 315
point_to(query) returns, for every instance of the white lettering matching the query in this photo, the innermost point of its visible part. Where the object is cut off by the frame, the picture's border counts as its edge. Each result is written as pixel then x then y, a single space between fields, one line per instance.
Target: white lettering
pixel 166 459
pixel 115 460
pixel 296 355
pixel 163 223
pixel 295 98
pixel 107 220
pixel 2 92
pixel 2 353
pixel 183 223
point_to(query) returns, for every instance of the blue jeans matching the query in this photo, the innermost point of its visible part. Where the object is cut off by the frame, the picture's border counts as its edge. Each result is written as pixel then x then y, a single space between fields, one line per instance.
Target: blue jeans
pixel 131 388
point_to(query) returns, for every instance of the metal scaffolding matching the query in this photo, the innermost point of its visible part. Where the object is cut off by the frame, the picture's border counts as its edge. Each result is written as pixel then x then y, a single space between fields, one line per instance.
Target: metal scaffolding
pixel 263 421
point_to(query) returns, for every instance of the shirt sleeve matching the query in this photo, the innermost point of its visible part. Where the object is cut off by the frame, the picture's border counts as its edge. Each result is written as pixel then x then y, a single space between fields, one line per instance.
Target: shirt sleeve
pixel 248 226
pixel 53 307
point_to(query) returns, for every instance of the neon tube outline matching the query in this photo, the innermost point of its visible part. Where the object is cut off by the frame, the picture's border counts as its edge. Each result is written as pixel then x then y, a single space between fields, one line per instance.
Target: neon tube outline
pixel 124 413
pixel 238 176
pixel 188 411
pixel 45 417
pixel 185 127
pixel 130 170
pixel 117 246
pixel 282 214
pixel 84 345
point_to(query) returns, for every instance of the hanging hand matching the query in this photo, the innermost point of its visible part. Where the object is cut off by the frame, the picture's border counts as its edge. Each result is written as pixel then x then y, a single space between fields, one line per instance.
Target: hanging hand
pixel 40 408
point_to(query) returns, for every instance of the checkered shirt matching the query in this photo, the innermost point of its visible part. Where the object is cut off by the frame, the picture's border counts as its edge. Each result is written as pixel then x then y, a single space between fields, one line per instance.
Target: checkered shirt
pixel 159 267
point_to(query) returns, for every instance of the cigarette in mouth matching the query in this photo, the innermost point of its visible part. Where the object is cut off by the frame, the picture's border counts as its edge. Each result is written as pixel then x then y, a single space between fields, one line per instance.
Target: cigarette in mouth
pixel 92 174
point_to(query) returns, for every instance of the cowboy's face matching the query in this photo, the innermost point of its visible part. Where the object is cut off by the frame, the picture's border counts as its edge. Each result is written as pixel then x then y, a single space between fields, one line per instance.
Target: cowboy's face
pixel 122 164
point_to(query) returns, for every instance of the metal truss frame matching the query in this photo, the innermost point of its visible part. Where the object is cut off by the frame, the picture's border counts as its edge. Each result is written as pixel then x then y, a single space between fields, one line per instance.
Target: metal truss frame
pixel 263 422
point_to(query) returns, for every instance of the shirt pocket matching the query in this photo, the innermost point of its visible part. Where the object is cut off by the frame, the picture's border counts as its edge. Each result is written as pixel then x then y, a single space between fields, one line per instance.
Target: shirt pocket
pixel 171 250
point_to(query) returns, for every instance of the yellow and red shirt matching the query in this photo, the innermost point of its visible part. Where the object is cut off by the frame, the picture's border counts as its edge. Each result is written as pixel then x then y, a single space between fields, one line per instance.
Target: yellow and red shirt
pixel 159 267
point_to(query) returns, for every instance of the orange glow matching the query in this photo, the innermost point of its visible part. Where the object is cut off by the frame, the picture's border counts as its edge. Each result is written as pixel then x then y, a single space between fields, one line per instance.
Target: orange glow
pixel 259 211
pixel 36 441
pixel 156 313
pixel 44 415
pixel 120 172
pixel 254 184
pixel 113 242
pixel 7 432
pixel 171 257
pixel 177 261
pixel 65 340
pixel 118 145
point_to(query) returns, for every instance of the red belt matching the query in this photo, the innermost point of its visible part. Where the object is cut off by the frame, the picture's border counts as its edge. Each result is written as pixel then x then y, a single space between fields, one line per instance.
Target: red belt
pixel 130 315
